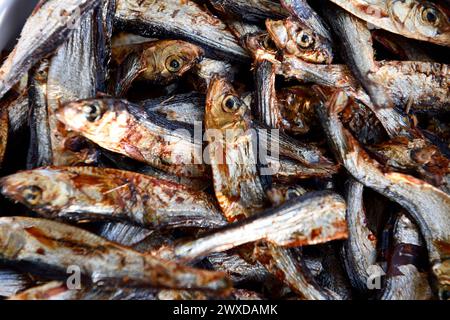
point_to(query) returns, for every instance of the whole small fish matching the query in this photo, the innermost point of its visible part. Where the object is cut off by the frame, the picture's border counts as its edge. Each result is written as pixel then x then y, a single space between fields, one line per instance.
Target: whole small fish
pixel 187 21
pixel 78 193
pixel 360 249
pixel 421 20
pixel 160 62
pixel 314 218
pixel 295 38
pixel 48 27
pixel 251 11
pixel 44 242
pixel 232 150
pixel 406 277
pixel 428 205
pixel 125 128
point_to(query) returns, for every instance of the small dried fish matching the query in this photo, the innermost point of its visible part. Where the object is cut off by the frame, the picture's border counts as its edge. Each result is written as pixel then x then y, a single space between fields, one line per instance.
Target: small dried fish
pixel 160 62
pixel 316 217
pixel 406 276
pixel 78 193
pixel 44 242
pixel 421 20
pixel 187 20
pixel 48 27
pixel 427 205
pixel 360 249
pixel 295 38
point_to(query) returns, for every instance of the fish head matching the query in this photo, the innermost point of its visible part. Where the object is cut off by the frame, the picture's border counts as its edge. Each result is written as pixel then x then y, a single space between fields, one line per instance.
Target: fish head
pixel 261 46
pixel 428 18
pixel 90 116
pixel 299 40
pixel 224 108
pixel 39 189
pixel 167 60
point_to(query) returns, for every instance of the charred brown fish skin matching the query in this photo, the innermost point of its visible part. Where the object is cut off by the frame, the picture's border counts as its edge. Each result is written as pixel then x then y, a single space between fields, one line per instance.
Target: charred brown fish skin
pixel 406 276
pixel 77 193
pixel 4 133
pixel 428 205
pixel 187 21
pixel 295 38
pixel 427 21
pixel 329 211
pixel 40 151
pixel 160 62
pixel 40 241
pixel 47 28
pixel 122 127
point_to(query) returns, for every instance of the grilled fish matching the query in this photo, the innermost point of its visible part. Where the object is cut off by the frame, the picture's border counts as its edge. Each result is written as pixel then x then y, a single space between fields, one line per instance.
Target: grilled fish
pixel 44 242
pixel 428 205
pixel 78 193
pixel 160 62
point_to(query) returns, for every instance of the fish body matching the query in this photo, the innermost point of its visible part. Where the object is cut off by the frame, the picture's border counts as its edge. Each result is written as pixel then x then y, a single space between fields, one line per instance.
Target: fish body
pixel 187 21
pixel 161 62
pixel 421 20
pixel 49 26
pixel 77 193
pixel 252 11
pixel 43 242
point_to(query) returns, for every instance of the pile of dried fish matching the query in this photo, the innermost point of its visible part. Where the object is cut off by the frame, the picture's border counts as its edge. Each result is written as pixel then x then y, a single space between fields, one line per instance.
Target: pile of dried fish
pixel 227 149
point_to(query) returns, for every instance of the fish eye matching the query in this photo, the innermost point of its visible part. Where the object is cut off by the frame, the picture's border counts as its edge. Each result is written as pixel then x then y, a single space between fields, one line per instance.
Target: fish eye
pixel 292 193
pixel 174 63
pixel 430 16
pixel 305 39
pixel 92 112
pixel 32 195
pixel 231 103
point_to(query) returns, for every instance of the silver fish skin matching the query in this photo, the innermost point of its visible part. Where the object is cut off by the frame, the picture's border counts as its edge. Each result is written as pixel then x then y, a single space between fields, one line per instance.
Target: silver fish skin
pixel 301 10
pixel 428 205
pixel 421 20
pixel 406 278
pixel 208 68
pixel 45 242
pixel 124 234
pixel 17 112
pixel 250 10
pixel 57 290
pixel 78 193
pixel 48 27
pixel 13 281
pixel 403 80
pixel 74 74
pixel 360 249
pixel 267 110
pixel 293 223
pixel 357 43
pixel 187 21
pixel 40 150
pixel 188 108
